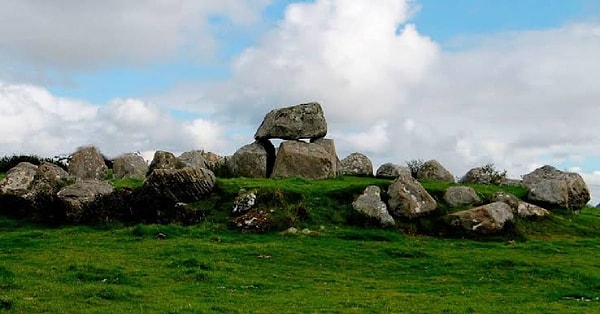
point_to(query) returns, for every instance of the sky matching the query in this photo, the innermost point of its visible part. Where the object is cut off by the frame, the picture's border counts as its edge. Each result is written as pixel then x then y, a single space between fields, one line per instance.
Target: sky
pixel 465 82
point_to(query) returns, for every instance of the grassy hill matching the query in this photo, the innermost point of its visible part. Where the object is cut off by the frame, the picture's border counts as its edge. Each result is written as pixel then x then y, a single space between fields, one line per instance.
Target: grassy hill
pixel 548 266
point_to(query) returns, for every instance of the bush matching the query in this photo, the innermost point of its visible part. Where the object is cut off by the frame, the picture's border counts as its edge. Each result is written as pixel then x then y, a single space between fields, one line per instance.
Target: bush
pixel 8 162
pixel 414 166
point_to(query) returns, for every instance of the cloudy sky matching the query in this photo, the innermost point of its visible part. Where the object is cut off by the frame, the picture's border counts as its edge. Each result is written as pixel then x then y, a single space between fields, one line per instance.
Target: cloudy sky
pixel 466 82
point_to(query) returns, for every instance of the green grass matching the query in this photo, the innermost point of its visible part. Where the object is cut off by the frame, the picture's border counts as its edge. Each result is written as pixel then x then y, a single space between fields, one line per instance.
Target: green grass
pixel 208 268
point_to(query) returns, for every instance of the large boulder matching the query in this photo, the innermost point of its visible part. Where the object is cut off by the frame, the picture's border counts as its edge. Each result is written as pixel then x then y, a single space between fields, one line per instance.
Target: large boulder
pixel 554 188
pixel 79 198
pixel 88 163
pixel 18 179
pixel 306 160
pixel 253 160
pixel 370 205
pixel 130 166
pixel 433 170
pixel 329 145
pixel 293 123
pixel 408 198
pixel 164 160
pixel 357 164
pixel 486 219
pixel 49 179
pixel 507 198
pixel 456 196
pixel 528 210
pixel 487 175
pixel 185 185
pixel 194 158
pixel 392 171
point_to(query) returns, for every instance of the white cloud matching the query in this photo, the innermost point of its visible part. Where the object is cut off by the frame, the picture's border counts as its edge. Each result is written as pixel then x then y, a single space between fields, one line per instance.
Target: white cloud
pixel 67 35
pixel 33 121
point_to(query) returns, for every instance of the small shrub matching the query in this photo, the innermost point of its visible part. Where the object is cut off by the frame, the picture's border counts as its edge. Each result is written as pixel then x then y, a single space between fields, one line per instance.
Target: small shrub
pixel 414 166
pixel 8 162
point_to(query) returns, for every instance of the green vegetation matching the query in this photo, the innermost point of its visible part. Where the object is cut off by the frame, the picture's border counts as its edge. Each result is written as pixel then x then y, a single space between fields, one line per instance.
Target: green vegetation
pixel 336 268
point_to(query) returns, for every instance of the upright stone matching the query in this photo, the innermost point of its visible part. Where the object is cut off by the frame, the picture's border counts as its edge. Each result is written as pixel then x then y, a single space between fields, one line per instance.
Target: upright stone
pixel 408 198
pixel 164 160
pixel 357 164
pixel 253 160
pixel 306 160
pixel 194 158
pixel 433 170
pixel 390 170
pixel 18 179
pixel 293 123
pixel 88 163
pixel 554 188
pixel 130 166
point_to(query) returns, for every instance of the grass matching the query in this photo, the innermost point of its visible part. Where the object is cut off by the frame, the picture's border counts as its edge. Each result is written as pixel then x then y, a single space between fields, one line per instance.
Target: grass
pixel 207 268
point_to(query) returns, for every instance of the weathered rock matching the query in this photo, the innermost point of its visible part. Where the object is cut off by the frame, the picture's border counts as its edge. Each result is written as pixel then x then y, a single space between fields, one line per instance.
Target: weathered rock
pixel 369 204
pixel 293 123
pixel 194 158
pixel 433 170
pixel 164 160
pixel 252 160
pixel 507 198
pixel 554 188
pixel 18 179
pixel 130 166
pixel 214 161
pixel 49 178
pixel 256 220
pixel 456 196
pixel 185 185
pixel 486 219
pixel 88 163
pixel 357 164
pixel 329 145
pixel 528 210
pixel 79 197
pixel 408 198
pixel 480 175
pixel 244 201
pixel 306 160
pixel 390 170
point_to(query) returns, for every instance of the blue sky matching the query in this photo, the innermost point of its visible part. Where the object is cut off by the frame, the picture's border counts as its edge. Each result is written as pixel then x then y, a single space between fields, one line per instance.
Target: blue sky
pixel 443 21
pixel 466 82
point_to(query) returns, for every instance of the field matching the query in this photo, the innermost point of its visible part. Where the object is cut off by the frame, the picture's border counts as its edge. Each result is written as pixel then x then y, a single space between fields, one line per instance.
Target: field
pixel 550 266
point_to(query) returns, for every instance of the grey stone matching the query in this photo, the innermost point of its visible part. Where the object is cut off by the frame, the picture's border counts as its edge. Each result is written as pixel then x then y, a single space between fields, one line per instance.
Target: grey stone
pixel 164 160
pixel 185 185
pixel 554 188
pixel 194 158
pixel 486 219
pixel 306 160
pixel 370 205
pixel 408 198
pixel 18 179
pixel 528 210
pixel 78 197
pixel 390 170
pixel 434 171
pixel 294 122
pixel 456 196
pixel 130 166
pixel 507 198
pixel 251 161
pixel 88 163
pixel 357 164
pixel 244 201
